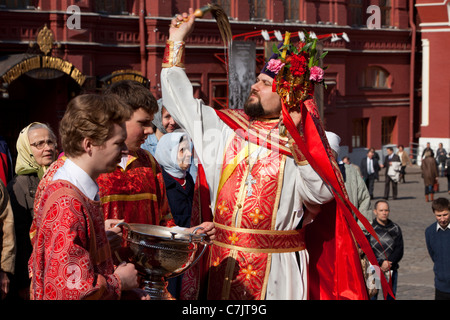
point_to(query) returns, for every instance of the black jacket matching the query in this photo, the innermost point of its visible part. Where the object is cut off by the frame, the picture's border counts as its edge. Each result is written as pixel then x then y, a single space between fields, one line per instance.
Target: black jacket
pixel 363 167
pixel 180 199
pixel 395 158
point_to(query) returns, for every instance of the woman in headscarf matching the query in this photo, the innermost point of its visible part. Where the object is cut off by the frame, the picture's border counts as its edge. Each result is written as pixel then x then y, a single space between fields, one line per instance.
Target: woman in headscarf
pixel 173 153
pixel 36 151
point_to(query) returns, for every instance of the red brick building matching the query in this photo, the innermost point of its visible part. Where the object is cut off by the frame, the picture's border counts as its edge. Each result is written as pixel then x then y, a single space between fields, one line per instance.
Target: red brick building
pixel 434 27
pixel 373 97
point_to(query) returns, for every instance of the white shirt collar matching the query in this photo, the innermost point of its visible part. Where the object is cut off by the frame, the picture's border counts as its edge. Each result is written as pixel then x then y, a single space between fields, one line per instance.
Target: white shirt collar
pixel 79 178
pixel 438 227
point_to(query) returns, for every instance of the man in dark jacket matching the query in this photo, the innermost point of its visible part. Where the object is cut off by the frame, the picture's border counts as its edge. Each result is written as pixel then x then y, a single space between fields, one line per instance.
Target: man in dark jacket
pixel 369 170
pixel 437 238
pixel 389 251
pixel 392 165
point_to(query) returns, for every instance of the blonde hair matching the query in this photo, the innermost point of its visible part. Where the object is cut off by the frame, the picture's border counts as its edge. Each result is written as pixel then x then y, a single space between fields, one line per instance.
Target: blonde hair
pixel 91 116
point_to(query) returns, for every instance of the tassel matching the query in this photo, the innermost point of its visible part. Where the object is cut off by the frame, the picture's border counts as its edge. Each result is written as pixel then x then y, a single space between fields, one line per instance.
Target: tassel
pixel 221 18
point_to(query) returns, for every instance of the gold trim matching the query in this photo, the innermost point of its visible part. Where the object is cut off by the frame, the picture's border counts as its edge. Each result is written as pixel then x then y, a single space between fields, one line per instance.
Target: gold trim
pixel 229 169
pixel 293 147
pixel 170 60
pixel 279 189
pixel 266 277
pixel 262 132
pixel 255 250
pixel 242 197
pixel 43 62
pixel 256 231
pixel 131 197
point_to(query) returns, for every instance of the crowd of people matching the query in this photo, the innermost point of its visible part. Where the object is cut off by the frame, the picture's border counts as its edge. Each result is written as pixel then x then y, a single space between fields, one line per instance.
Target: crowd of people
pixel 264 199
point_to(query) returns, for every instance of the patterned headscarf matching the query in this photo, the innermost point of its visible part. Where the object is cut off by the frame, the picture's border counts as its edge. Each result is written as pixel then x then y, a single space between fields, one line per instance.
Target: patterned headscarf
pixel 26 163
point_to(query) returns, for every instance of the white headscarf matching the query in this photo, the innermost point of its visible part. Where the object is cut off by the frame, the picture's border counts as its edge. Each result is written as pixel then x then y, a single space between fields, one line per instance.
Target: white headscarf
pixel 167 153
pixel 334 140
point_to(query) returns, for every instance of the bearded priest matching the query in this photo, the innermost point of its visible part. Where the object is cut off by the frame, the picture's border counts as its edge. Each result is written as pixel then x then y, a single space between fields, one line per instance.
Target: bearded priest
pixel 264 189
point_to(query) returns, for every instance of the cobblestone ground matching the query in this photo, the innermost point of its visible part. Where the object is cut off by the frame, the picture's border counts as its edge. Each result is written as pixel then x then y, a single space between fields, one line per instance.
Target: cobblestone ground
pixel 413 214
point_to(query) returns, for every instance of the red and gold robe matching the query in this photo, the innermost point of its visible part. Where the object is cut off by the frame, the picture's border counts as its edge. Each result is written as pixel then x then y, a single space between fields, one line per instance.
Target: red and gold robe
pixel 71 257
pixel 243 264
pixel 245 222
pixel 136 194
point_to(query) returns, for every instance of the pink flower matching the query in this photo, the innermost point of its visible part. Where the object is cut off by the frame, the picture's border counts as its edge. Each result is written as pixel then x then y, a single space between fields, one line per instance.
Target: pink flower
pixel 275 65
pixel 316 74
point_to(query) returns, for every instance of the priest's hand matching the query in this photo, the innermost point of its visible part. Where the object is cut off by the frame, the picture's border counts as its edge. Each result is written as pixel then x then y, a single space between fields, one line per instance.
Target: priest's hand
pixel 181 26
pixel 295 116
pixel 128 276
pixel 208 228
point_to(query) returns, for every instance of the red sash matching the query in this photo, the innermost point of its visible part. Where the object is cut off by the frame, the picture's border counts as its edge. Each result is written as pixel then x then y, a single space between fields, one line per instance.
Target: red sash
pixel 239 121
pixel 339 254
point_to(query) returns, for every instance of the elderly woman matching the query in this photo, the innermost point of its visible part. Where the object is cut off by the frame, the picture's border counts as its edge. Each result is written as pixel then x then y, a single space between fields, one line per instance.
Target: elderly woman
pixel 173 153
pixel 429 174
pixel 36 150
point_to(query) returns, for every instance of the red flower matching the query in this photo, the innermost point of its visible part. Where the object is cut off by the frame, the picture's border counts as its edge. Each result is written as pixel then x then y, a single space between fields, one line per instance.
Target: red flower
pixel 298 65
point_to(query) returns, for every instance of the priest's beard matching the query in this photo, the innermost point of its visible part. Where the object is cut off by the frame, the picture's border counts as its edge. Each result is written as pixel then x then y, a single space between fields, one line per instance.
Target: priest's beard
pixel 254 109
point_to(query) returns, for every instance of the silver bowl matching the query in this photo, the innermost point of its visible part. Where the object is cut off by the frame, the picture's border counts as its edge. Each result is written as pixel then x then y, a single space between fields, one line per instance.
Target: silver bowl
pixel 159 253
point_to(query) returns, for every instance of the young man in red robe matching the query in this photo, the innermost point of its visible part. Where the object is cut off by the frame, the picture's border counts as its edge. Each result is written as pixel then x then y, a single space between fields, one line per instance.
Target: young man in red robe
pixel 135 190
pixel 71 257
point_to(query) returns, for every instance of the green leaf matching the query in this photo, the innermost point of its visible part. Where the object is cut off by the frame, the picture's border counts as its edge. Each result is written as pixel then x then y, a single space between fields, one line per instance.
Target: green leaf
pixel 275 49
pixel 323 55
pixel 314 44
pixel 307 46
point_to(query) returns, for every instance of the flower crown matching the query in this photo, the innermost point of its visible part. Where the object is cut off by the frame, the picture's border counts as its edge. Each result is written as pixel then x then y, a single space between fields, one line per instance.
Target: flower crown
pixel 296 69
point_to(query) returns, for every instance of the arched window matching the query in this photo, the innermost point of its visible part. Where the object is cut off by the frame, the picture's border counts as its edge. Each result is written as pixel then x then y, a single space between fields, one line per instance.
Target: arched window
pixel 375 78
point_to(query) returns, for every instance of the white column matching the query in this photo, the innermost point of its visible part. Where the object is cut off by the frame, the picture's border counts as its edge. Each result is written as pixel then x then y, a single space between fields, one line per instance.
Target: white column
pixel 425 82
